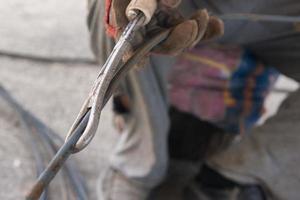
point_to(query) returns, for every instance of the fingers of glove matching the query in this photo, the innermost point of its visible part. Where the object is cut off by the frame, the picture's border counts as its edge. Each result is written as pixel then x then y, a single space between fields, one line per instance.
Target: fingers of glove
pixel 181 37
pixel 215 29
pixel 118 8
pixel 201 27
pixel 116 11
pixel 202 18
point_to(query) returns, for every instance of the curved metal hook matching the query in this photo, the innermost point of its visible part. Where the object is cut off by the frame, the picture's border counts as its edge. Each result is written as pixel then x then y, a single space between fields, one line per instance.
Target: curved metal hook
pixel 96 98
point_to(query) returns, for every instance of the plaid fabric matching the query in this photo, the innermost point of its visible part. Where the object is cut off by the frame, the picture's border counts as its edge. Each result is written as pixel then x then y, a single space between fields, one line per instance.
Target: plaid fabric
pixel 225 86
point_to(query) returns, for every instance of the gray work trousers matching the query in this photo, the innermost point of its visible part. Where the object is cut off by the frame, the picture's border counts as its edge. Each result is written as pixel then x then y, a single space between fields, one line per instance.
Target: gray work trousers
pixel 268 156
pixel 141 152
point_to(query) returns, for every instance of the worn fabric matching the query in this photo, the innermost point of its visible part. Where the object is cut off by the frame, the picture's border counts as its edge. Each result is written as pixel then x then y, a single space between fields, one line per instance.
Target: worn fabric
pixel 115 186
pixel 226 86
pixel 141 152
pixel 266 157
pixel 277 44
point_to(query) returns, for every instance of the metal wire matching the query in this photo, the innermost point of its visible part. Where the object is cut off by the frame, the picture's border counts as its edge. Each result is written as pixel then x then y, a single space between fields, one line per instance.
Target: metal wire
pixel 40 138
pixel 57 162
pixel 68 148
pixel 75 181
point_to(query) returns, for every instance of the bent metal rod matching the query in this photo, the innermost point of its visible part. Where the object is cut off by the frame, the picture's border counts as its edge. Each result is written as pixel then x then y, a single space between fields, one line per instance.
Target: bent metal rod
pixel 87 121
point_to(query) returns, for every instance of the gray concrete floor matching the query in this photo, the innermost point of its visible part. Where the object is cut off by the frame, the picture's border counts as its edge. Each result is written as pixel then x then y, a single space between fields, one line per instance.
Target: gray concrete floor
pixel 54 92
pixel 48 28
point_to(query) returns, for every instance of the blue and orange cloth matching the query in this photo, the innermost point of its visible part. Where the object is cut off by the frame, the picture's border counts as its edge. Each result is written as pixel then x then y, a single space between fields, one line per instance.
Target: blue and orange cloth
pixel 225 86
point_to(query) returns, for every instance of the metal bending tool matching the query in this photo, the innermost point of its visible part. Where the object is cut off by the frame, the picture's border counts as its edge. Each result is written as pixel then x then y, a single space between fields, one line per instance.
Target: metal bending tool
pixel 93 104
pixel 86 123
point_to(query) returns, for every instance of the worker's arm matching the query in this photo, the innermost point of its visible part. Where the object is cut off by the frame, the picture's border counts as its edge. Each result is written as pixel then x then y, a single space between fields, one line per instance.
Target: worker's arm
pixel 185 33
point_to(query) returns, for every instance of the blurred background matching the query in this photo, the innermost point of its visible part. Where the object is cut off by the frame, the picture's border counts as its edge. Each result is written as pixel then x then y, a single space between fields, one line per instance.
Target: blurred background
pixel 47 66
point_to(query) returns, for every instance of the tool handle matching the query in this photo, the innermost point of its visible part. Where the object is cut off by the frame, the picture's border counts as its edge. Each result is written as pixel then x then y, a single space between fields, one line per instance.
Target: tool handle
pixel 147 7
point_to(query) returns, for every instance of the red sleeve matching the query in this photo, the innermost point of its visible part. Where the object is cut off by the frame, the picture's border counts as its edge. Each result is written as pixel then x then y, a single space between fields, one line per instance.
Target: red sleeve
pixel 110 30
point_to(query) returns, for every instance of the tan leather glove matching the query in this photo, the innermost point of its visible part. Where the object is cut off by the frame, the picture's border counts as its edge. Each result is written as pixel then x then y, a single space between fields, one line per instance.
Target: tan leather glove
pixel 185 33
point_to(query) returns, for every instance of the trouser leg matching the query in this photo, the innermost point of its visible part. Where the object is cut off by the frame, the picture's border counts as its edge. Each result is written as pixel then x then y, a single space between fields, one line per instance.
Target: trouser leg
pixel 269 156
pixel 141 153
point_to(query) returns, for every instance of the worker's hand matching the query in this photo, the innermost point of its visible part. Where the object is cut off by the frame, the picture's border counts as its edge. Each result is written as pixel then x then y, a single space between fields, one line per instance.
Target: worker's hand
pixel 185 33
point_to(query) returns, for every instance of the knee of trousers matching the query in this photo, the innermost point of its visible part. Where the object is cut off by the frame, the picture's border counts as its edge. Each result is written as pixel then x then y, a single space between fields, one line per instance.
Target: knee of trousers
pixel 157 174
pixel 147 167
pixel 152 176
pixel 148 176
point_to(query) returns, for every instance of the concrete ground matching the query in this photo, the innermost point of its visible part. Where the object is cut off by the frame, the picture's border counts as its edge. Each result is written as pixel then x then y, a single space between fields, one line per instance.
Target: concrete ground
pixel 54 92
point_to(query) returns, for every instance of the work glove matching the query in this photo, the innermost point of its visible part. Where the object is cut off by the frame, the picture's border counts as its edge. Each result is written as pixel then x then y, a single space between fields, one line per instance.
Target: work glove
pixel 185 33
